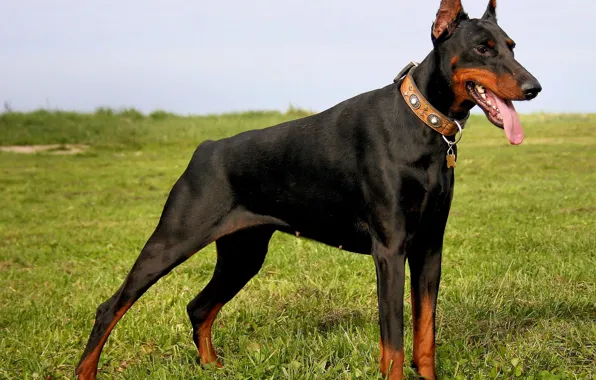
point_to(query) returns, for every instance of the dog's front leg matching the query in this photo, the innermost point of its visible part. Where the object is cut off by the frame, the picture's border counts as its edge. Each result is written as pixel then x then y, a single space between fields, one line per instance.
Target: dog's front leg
pixel 425 273
pixel 390 266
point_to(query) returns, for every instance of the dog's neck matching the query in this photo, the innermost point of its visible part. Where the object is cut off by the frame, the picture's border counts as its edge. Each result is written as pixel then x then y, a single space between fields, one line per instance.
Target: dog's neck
pixel 435 88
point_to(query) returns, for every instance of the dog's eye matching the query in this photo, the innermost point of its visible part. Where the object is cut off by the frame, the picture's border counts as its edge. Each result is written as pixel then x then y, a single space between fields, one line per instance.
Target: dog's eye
pixel 482 50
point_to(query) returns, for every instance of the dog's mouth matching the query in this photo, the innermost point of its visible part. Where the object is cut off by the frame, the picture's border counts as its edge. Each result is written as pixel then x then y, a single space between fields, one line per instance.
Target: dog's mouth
pixel 499 111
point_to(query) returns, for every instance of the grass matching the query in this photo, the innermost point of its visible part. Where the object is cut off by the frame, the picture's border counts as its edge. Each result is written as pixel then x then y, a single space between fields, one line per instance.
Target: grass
pixel 518 294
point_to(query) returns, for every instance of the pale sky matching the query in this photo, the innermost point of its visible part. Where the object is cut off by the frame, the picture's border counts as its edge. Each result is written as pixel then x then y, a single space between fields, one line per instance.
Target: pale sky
pixel 214 56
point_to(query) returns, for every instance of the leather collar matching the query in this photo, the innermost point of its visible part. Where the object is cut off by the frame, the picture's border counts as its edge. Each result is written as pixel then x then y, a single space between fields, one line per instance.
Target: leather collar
pixel 421 107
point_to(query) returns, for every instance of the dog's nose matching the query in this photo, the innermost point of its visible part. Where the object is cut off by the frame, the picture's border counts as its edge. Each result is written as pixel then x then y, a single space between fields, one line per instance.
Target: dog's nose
pixel 531 89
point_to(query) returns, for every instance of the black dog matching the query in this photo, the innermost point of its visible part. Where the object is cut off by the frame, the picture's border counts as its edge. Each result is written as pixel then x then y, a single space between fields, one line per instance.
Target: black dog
pixel 373 174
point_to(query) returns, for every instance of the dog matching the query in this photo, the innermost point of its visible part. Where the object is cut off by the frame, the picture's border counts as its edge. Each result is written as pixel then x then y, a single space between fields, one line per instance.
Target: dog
pixel 372 175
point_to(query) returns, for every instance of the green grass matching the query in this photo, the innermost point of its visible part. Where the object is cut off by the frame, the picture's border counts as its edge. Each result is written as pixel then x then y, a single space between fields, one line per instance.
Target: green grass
pixel 518 294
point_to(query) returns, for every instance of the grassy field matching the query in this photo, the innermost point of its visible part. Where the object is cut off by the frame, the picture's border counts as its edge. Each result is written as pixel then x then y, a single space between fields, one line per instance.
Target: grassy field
pixel 518 292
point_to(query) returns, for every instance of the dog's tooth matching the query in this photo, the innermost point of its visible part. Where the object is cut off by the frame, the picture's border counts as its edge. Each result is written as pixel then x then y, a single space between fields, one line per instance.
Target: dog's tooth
pixel 483 96
pixel 480 89
pixel 489 103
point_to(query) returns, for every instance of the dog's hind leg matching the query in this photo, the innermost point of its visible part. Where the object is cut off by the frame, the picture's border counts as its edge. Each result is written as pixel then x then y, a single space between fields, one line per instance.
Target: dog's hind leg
pixel 239 257
pixel 192 218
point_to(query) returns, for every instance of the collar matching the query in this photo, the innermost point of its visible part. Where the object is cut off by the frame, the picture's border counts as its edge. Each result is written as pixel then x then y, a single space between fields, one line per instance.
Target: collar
pixel 422 108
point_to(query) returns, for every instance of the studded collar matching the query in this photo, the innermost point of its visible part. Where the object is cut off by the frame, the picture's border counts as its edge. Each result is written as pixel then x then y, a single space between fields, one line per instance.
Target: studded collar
pixel 422 108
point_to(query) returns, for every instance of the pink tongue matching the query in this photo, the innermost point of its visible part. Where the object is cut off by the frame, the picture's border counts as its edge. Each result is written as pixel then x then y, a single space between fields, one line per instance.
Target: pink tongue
pixel 511 123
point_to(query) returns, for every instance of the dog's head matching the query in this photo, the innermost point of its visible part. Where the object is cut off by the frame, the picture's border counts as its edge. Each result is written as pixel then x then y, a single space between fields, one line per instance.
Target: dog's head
pixel 476 57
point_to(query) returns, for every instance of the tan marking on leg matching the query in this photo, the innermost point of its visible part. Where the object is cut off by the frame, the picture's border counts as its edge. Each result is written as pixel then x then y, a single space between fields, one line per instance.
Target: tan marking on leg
pixel 206 351
pixel 87 370
pixel 392 362
pixel 424 338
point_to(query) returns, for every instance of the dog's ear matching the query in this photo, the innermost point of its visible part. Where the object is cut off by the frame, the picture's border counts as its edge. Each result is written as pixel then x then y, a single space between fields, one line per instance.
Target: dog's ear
pixel 449 15
pixel 491 11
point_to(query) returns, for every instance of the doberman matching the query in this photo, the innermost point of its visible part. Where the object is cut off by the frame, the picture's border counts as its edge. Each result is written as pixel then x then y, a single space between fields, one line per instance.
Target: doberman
pixel 373 174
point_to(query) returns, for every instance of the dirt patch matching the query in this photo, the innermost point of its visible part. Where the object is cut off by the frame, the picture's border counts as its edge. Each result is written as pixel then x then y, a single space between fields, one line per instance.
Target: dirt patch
pixel 51 148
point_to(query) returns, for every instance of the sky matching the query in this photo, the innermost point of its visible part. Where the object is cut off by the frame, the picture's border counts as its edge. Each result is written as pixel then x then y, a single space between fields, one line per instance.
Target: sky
pixel 203 57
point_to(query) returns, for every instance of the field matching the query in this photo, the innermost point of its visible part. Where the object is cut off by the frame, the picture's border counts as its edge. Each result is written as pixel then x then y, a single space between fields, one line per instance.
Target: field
pixel 518 291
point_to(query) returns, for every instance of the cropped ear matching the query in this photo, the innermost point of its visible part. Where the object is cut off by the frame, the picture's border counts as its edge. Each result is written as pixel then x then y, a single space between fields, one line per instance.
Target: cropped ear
pixel 449 15
pixel 491 11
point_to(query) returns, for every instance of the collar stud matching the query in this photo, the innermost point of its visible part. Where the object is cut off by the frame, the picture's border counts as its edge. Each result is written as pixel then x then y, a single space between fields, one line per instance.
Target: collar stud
pixel 414 101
